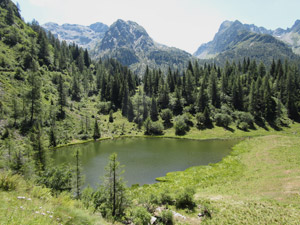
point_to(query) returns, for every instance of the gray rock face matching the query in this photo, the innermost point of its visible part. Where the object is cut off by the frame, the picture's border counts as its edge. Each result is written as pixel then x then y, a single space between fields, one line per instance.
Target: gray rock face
pixel 84 36
pixel 130 43
pixel 233 33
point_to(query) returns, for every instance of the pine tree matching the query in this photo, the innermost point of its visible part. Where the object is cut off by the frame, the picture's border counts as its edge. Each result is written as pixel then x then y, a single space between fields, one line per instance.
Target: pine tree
pixel 16 110
pixel 78 175
pixel 207 120
pixel 214 94
pixel 125 101
pixel 269 102
pixel 62 98
pixel 130 113
pixel 39 151
pixel 52 137
pixel 154 110
pixel 114 187
pixel 34 96
pixel 177 108
pixel 145 108
pixel 97 133
pixel 9 15
pixel 111 117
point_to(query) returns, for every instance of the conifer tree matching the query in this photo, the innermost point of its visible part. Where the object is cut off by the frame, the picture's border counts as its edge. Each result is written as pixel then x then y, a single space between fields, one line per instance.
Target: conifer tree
pixel 130 113
pixel 39 151
pixel 78 175
pixel 111 117
pixel 52 136
pixel 97 133
pixel 62 98
pixel 154 110
pixel 207 119
pixel 114 188
pixel 177 108
pixel 34 96
pixel 214 94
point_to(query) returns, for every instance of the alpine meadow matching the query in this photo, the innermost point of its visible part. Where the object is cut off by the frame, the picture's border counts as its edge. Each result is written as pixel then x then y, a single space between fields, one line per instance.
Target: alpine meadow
pixel 206 138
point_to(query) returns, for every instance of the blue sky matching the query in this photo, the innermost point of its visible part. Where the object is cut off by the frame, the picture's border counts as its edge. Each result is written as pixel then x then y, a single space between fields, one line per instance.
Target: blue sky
pixel 184 24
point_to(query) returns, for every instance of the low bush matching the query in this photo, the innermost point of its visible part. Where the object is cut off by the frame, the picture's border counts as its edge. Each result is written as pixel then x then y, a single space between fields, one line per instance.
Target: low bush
pixel 141 216
pixel 181 126
pixel 167 217
pixel 223 120
pixel 185 199
pixel 8 181
pixel 166 198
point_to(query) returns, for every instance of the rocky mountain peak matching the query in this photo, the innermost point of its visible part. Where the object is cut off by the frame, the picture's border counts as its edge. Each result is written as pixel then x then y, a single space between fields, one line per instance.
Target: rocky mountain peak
pixel 126 34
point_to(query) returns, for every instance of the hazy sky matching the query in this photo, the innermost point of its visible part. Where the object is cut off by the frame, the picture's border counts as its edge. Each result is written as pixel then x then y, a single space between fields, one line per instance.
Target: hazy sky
pixel 184 24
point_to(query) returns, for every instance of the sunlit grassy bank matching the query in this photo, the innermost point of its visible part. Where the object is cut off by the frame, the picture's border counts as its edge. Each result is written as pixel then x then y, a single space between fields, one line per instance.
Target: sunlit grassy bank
pixel 258 183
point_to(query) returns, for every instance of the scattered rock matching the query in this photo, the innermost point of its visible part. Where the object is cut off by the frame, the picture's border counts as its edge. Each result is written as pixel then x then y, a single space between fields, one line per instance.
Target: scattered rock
pixel 153 219
pixel 178 215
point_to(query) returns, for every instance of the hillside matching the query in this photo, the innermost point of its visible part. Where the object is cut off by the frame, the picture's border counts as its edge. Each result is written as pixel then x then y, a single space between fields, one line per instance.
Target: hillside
pixel 235 40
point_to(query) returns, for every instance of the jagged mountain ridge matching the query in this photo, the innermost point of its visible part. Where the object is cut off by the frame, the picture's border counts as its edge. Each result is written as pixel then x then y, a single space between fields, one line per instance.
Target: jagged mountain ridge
pixel 130 43
pixel 126 41
pixel 233 36
pixel 84 36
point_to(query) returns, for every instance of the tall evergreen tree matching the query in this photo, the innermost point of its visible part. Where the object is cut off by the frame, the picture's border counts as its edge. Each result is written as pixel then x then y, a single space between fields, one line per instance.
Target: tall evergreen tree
pixel 62 98
pixel 97 133
pixel 154 110
pixel 34 95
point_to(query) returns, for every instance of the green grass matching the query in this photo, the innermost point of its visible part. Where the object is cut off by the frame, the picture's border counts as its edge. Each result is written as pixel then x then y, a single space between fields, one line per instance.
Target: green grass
pixel 258 183
pixel 35 205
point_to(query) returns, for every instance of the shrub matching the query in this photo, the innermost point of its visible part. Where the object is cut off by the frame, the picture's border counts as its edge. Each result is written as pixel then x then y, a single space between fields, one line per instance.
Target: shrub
pixel 141 216
pixel 200 120
pixel 104 107
pixel 58 178
pixel 166 198
pixel 19 74
pixel 8 181
pixel 185 199
pixel 222 120
pixel 244 120
pixel 167 217
pixel 87 197
pixel 180 126
pixel 156 128
pixel 166 115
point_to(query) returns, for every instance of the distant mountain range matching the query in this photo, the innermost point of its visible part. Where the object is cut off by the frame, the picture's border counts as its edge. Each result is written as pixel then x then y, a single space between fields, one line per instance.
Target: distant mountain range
pixel 235 40
pixel 126 41
pixel 130 44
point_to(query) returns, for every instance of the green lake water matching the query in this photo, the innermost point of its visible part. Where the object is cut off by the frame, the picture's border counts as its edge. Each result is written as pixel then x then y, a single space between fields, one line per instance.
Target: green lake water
pixel 144 158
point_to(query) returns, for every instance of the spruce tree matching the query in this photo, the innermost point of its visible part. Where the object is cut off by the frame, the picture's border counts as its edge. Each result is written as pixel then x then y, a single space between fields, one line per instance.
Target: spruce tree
pixel 207 119
pixel 130 113
pixel 62 98
pixel 78 175
pixel 97 133
pixel 34 96
pixel 111 117
pixel 38 148
pixel 154 110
